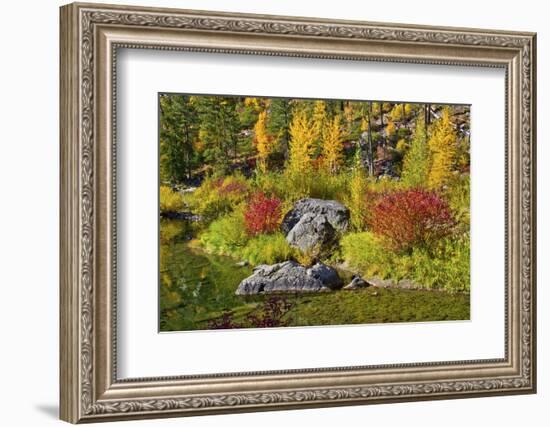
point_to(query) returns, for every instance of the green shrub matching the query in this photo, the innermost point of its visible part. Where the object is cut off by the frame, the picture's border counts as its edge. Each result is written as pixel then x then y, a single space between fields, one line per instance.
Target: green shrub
pixel 170 200
pixel 358 200
pixel 267 249
pixel 458 195
pixel 365 252
pixel 291 187
pixel 445 265
pixel 226 235
pixel 403 133
pixel 323 185
pixel 272 184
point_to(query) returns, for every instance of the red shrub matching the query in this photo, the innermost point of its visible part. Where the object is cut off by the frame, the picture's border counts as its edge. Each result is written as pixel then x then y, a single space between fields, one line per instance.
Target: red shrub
pixel 410 218
pixel 263 214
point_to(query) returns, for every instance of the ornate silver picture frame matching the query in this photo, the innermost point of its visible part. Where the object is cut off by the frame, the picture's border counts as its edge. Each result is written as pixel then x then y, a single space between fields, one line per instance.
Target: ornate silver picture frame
pixel 91 391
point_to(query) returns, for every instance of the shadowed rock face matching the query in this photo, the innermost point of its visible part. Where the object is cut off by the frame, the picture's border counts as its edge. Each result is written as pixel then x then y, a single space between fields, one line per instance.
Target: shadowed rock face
pixel 314 224
pixel 290 277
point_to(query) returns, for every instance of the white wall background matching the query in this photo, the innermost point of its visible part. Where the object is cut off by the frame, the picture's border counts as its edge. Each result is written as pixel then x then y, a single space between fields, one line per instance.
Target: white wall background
pixel 29 170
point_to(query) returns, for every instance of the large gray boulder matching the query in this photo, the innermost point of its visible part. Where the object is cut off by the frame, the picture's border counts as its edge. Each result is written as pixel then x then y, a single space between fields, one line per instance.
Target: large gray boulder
pixel 336 213
pixel 314 224
pixel 290 277
pixel 311 233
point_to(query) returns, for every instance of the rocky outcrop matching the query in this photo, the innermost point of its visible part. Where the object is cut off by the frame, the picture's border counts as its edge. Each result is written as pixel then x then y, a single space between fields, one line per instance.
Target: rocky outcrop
pixel 314 224
pixel 290 277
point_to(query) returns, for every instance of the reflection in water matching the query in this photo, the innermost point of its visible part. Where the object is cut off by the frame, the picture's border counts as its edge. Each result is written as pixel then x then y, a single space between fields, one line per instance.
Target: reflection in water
pixel 195 287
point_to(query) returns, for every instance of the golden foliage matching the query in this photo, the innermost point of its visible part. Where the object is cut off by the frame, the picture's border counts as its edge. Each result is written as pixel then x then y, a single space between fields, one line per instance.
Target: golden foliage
pixel 333 148
pixel 442 145
pixel 390 128
pixel 401 146
pixel 364 125
pixel 264 141
pixel 170 200
pixel 348 115
pixel 301 145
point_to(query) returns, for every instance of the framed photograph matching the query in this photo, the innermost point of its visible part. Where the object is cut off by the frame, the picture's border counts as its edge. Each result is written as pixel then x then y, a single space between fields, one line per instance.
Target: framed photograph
pixel 267 212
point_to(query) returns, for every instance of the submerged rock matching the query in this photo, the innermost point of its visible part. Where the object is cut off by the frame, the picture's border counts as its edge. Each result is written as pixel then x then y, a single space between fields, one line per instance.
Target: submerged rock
pixel 380 283
pixel 389 283
pixel 356 283
pixel 289 276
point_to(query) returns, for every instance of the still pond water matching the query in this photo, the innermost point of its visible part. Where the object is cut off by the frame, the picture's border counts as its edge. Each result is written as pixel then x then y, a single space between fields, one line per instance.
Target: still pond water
pixel 197 289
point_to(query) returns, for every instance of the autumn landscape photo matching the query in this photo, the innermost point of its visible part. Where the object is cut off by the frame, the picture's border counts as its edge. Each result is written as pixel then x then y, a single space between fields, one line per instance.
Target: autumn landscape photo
pixel 279 212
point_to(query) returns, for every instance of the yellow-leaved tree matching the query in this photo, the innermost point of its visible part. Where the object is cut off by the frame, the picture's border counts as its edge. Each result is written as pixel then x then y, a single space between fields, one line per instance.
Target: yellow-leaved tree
pixel 333 148
pixel 264 141
pixel 301 144
pixel 443 146
pixel 390 129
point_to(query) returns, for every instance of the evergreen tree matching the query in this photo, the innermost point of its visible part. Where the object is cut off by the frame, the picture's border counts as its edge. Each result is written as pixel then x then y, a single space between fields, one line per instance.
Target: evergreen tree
pixel 333 149
pixel 443 147
pixel 416 164
pixel 219 130
pixel 278 124
pixel 178 132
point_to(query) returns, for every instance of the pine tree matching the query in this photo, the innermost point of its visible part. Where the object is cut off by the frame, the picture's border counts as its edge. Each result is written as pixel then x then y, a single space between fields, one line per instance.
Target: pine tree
pixel 442 145
pixel 333 149
pixel 178 134
pixel 301 145
pixel 416 164
pixel 278 123
pixel 264 141
pixel 219 128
